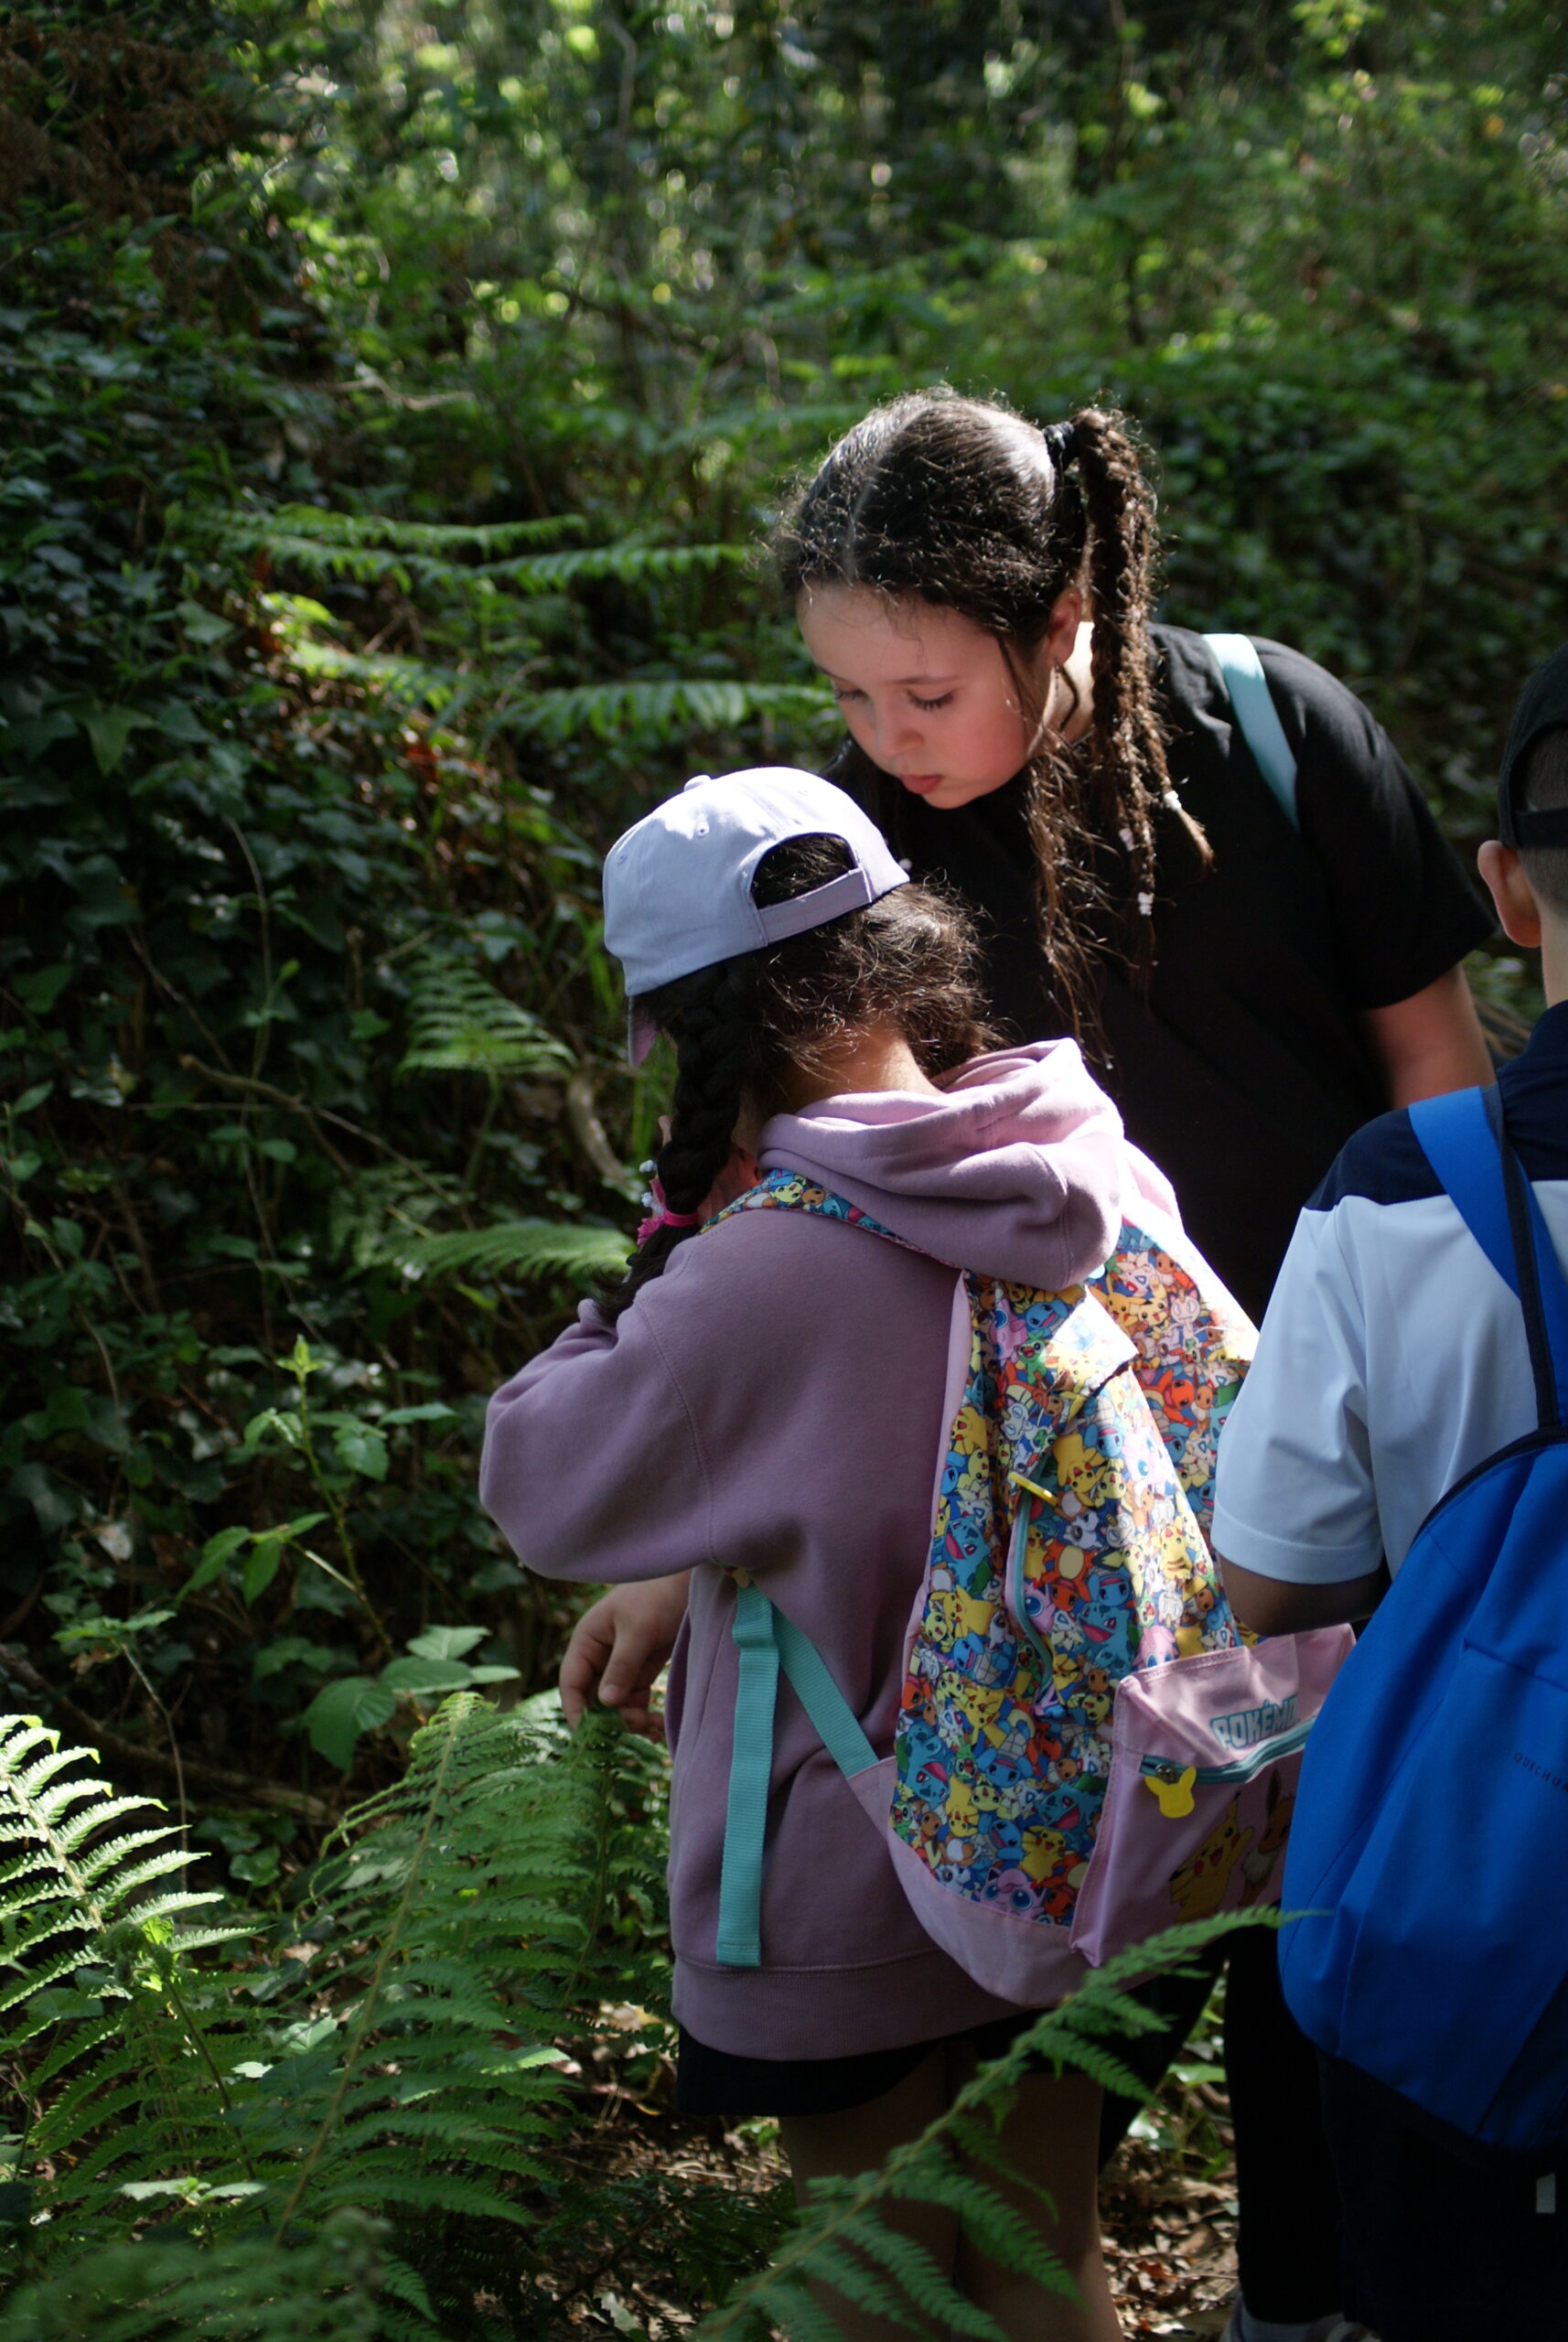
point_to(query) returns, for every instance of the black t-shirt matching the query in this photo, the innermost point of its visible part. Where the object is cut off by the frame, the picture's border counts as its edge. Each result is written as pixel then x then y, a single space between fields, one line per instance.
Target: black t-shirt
pixel 1245 1067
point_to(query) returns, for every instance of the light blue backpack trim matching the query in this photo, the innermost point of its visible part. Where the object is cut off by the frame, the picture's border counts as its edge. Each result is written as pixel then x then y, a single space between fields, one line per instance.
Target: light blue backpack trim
pixel 765 1641
pixel 1242 671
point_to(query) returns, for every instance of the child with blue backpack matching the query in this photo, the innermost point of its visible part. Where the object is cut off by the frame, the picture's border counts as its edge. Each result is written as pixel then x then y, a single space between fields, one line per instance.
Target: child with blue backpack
pixel 1400 1449
pixel 767 1403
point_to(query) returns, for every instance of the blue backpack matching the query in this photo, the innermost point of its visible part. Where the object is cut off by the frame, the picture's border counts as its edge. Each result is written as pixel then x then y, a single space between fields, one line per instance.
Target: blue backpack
pixel 1429 1848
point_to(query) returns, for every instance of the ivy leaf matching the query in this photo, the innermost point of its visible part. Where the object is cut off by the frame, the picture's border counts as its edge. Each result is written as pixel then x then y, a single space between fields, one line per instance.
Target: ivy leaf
pixel 340 1711
pixel 108 729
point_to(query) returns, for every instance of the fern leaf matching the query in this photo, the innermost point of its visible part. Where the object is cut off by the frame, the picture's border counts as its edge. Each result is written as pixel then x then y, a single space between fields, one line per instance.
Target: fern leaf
pixel 73 1835
pixel 834 2265
pixel 243 2290
pixel 630 563
pixel 999 2231
pixel 524 1248
pixel 665 708
pixel 439 539
pixel 925 2284
pixel 457 1021
pixel 788 2306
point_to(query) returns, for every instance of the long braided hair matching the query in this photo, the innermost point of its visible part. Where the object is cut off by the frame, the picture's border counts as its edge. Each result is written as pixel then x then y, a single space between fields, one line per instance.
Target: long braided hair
pixel 966 505
pixel 746 1029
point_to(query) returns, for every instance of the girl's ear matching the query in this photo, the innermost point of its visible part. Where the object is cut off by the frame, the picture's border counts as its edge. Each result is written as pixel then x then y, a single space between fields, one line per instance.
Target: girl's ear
pixel 1062 626
pixel 1518 914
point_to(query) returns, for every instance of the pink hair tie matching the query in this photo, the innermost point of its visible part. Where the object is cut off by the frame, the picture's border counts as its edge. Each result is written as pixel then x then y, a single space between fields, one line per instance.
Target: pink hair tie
pixel 660 1215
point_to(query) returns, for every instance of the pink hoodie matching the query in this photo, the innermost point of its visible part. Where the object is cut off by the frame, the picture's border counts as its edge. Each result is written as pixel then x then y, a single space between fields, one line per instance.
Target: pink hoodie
pixel 773 1403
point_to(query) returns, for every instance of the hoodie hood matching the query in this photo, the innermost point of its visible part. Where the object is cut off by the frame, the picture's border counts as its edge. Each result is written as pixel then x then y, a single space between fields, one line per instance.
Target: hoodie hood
pixel 1019 1169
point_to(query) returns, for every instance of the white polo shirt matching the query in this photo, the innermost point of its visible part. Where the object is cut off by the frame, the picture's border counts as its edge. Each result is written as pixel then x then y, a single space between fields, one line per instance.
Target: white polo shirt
pixel 1392 1358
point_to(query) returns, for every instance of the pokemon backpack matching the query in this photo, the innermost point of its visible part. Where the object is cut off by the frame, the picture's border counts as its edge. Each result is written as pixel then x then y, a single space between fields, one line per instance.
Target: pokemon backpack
pixel 1085 1751
pixel 1432 1841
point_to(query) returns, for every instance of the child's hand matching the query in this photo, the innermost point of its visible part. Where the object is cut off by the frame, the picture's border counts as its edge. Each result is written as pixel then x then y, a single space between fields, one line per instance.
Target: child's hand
pixel 617 1649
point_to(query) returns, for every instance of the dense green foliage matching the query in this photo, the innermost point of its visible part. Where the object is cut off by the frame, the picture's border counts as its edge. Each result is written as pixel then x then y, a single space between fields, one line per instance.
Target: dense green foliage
pixel 392 397
pixel 364 2111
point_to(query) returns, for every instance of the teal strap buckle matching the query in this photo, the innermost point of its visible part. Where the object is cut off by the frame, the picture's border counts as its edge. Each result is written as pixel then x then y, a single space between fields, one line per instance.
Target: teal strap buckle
pixel 1241 669
pixel 766 1640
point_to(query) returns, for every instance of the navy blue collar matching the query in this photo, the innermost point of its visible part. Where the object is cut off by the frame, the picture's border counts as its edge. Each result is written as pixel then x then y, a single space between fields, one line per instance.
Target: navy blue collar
pixel 1547 1049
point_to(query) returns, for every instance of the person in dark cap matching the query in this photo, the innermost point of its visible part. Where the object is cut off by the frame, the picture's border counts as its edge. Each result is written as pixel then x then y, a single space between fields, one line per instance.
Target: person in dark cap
pixel 1394 1361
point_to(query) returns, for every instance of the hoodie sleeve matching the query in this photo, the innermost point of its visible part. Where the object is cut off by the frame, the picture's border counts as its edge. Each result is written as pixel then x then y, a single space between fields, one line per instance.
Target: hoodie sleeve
pixel 592 1466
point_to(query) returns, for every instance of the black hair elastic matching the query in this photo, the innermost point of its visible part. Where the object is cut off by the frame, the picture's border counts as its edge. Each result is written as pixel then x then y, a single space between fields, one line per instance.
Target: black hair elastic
pixel 1061 444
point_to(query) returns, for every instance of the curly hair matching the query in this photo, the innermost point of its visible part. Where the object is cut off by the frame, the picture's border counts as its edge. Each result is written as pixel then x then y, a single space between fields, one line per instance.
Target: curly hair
pixel 747 1028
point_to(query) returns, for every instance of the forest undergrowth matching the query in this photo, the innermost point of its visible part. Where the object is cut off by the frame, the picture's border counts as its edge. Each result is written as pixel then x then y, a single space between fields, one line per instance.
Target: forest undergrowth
pixel 395 394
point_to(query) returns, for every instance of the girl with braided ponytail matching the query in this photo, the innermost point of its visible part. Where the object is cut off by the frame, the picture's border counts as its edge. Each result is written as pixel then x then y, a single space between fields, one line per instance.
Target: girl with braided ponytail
pixel 1256 961
pixel 1251 980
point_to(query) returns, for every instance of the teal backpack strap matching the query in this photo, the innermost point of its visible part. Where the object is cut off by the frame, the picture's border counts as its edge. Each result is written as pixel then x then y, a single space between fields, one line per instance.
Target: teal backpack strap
pixel 838 1726
pixel 1242 671
pixel 766 1639
pixel 750 1773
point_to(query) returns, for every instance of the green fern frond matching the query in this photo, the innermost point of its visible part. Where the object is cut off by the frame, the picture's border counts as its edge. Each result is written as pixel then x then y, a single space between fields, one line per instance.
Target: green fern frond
pixel 914 2268
pixel 412 681
pixel 665 708
pixel 522 1248
pixel 244 2290
pixel 630 563
pixel 334 546
pixel 925 2170
pixel 369 548
pixel 459 1022
pixel 439 539
pixel 414 2070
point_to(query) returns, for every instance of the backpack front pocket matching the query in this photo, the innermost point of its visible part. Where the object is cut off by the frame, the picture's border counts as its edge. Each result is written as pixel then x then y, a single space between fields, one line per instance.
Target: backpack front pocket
pixel 1206 1752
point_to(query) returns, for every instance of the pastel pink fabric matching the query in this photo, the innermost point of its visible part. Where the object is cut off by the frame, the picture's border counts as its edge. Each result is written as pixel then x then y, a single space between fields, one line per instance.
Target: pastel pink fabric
pixel 775 1401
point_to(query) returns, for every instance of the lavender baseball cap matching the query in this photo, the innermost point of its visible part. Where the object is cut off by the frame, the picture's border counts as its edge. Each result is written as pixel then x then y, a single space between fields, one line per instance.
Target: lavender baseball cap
pixel 677 885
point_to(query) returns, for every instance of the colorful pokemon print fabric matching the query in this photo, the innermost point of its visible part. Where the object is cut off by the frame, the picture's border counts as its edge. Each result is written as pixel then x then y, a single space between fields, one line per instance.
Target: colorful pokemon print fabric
pixel 1067 1549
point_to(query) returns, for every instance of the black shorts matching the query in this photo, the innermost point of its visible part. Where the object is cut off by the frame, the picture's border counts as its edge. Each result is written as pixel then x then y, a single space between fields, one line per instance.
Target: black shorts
pixel 715 2082
pixel 1444 2243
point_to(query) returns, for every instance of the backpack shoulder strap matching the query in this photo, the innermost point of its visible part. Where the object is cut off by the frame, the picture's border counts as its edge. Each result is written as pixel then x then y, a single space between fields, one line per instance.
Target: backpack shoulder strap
pixel 784 1190
pixel 1242 671
pixel 1463 1137
pixel 766 1640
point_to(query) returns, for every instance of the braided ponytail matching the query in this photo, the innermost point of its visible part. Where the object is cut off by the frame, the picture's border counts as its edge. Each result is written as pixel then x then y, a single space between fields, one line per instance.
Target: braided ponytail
pixel 711 1017
pixel 1127 775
